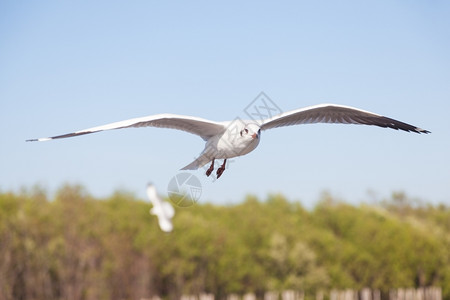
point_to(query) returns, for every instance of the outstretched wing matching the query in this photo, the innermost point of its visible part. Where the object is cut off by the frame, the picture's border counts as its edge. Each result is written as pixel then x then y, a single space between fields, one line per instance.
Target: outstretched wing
pixel 201 127
pixel 332 113
pixel 153 195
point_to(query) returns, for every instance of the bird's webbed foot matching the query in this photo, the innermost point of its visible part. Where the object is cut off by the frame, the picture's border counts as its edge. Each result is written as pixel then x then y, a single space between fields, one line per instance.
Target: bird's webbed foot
pixel 211 168
pixel 221 169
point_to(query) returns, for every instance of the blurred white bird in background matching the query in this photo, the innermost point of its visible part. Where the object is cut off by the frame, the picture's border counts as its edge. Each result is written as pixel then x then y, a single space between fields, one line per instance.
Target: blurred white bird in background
pixel 162 209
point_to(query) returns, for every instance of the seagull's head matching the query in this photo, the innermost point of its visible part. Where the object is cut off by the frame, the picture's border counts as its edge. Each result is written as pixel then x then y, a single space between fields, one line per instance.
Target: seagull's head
pixel 251 131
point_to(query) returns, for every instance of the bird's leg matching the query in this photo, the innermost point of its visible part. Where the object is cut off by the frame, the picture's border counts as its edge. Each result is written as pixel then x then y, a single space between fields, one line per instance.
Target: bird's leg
pixel 221 169
pixel 211 168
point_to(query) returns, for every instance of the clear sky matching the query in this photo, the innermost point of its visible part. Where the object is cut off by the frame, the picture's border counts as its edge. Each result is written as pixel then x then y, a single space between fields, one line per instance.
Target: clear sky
pixel 71 65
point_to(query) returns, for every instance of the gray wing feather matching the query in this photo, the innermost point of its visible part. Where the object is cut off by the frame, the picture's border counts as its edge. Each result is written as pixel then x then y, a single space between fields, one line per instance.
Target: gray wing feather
pixel 201 127
pixel 332 113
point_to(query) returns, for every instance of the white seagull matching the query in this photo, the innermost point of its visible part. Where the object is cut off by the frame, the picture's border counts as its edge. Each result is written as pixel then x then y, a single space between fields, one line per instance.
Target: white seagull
pixel 236 138
pixel 162 209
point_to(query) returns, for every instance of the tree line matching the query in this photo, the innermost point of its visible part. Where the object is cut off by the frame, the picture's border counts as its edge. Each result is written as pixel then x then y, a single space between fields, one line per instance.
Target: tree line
pixel 75 246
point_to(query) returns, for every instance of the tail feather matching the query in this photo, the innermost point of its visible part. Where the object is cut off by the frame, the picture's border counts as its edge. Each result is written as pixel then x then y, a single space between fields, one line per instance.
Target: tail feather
pixel 197 163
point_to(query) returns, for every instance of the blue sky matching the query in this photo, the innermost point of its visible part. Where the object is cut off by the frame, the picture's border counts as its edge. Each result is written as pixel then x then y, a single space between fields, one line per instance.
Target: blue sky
pixel 67 66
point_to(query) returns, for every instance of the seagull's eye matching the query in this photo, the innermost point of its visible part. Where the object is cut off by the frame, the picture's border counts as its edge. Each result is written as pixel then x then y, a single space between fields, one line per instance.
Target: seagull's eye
pixel 246 130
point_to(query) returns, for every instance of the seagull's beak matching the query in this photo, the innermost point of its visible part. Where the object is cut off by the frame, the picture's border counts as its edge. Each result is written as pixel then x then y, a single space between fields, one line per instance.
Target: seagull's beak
pixel 254 136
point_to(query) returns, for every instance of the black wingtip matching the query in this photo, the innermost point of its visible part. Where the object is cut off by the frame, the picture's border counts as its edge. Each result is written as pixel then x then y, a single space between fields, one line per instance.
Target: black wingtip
pixel 420 130
pixel 31 140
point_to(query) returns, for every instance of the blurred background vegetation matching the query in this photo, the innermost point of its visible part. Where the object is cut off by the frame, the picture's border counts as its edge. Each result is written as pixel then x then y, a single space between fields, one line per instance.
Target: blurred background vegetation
pixel 74 246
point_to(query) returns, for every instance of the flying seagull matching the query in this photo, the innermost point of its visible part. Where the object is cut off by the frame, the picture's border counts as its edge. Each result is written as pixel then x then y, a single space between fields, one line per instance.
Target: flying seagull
pixel 162 209
pixel 236 138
